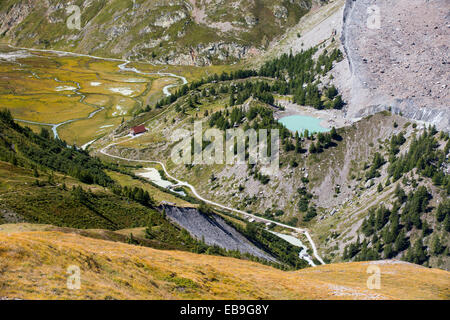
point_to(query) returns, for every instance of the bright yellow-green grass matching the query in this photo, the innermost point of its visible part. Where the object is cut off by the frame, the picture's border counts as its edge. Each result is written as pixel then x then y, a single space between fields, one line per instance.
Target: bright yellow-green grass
pixel 35 127
pixel 156 90
pixel 103 122
pixel 157 194
pixel 126 89
pixel 42 89
pixel 84 131
pixel 25 84
pixel 46 108
pixel 120 106
pixel 189 72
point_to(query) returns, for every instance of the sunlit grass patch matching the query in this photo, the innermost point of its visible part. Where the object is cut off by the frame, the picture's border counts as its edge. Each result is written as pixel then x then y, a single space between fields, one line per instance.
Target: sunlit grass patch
pixel 35 127
pixel 156 90
pixel 45 108
pixel 35 267
pixel 104 66
pixel 84 131
pixel 156 193
pixel 113 88
pixel 191 73
pixel 101 100
pixel 21 82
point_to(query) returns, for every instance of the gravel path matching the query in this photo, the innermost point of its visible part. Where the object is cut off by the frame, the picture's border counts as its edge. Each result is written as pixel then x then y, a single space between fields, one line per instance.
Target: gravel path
pixel 215 204
pixel 124 67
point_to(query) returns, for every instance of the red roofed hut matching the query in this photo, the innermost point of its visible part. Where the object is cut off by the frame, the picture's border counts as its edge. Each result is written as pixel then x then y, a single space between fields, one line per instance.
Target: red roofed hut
pixel 138 130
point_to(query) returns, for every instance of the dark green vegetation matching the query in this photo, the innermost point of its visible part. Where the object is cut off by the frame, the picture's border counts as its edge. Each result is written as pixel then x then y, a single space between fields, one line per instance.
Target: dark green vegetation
pixel 305 206
pixel 296 75
pixel 251 103
pixel 410 228
pixel 61 201
pixel 23 148
pixel 195 85
pixel 284 251
pixel 302 72
pixel 62 186
pixel 424 156
pixel 377 162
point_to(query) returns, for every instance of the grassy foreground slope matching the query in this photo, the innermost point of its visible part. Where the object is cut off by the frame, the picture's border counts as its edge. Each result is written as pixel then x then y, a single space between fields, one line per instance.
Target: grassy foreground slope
pixel 33 265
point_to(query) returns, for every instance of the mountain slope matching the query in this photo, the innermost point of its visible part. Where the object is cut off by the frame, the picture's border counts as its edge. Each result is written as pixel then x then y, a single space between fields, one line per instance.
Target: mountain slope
pixel 34 264
pixel 167 31
pixel 403 63
pixel 44 181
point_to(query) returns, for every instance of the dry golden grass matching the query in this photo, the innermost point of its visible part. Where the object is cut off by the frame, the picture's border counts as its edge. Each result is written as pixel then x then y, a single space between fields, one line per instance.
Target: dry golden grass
pixel 33 266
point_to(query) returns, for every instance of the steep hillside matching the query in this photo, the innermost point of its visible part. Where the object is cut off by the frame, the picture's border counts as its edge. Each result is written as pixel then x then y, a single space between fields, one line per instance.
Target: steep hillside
pixel 34 265
pixel 177 32
pixel 332 190
pixel 362 173
pixel 401 63
pixel 47 182
pixel 393 201
pixel 327 179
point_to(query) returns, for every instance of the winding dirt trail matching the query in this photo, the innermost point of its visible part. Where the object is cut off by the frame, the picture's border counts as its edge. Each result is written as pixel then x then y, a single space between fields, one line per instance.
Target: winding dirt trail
pixel 215 204
pixel 123 67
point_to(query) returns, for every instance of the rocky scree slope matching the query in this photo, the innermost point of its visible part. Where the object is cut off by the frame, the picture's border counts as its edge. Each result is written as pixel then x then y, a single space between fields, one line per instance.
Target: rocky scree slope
pixel 403 64
pixel 213 230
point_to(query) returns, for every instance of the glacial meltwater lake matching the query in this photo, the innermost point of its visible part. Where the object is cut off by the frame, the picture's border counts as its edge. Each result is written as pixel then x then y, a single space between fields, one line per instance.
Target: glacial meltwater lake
pixel 302 123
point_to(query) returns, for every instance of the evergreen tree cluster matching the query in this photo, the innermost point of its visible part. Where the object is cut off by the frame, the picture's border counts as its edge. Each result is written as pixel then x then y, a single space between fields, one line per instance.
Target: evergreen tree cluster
pixel 136 194
pixel 424 155
pixel 304 206
pixel 386 231
pixel 292 74
pixel 260 117
pixel 23 147
pixel 325 140
pixel 282 250
pixel 194 85
pixel 295 75
pixel 377 162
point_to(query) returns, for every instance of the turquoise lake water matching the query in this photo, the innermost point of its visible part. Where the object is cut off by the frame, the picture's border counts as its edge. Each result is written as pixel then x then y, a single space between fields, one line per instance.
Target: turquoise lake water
pixel 302 123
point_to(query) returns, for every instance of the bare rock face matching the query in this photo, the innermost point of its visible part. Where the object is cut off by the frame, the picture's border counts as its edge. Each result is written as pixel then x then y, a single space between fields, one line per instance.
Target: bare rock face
pixel 8 216
pixel 15 15
pixel 399 58
pixel 166 20
pixel 280 12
